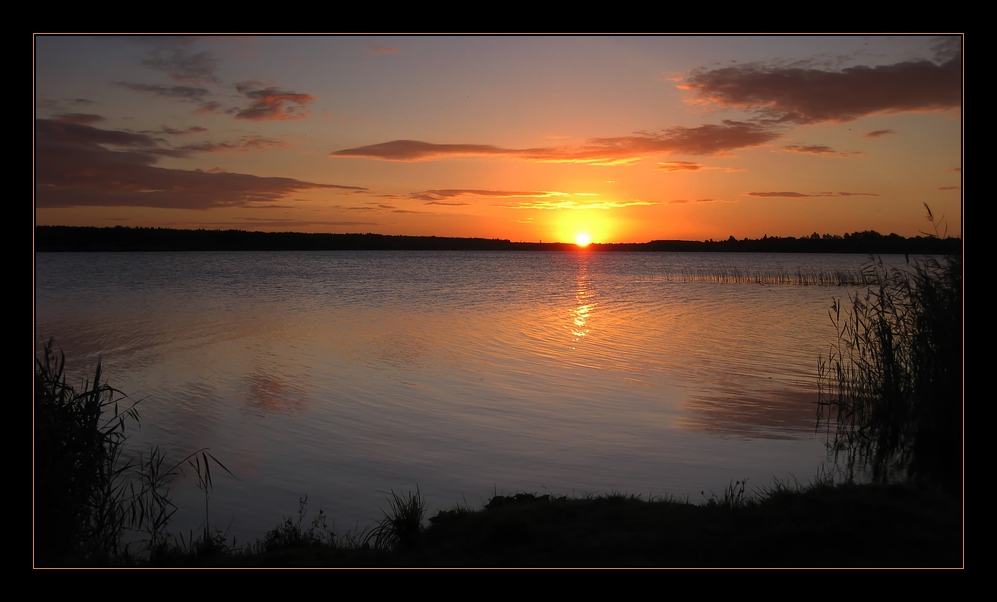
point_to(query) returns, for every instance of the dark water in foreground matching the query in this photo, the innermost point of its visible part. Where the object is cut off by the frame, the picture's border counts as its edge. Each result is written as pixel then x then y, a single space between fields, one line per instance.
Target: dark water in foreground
pixel 343 375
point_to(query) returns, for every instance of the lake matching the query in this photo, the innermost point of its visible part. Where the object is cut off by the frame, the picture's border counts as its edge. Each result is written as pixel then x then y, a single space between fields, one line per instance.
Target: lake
pixel 346 375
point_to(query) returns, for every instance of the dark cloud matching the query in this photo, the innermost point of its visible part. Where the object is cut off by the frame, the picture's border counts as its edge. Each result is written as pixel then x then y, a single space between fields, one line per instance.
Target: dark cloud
pixel 950 188
pixel 531 199
pixel 271 223
pixel 434 196
pixel 170 131
pixel 805 195
pixel 819 149
pixel 273 103
pixel 710 139
pixel 713 139
pixel 816 149
pixel 955 169
pixel 877 133
pixel 180 92
pixel 414 150
pixel 76 134
pixel 780 195
pixel 194 129
pixel 49 103
pixel 807 95
pixel 78 118
pixel 245 144
pixel 255 143
pixel 947 48
pixel 210 147
pixel 73 167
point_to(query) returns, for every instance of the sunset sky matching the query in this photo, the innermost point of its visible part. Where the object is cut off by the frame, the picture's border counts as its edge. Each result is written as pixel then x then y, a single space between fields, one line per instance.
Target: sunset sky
pixel 629 139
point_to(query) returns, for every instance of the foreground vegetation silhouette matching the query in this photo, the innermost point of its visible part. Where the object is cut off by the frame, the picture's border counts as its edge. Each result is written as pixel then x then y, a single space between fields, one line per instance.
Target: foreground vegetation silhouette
pixel 87 496
pixel 891 386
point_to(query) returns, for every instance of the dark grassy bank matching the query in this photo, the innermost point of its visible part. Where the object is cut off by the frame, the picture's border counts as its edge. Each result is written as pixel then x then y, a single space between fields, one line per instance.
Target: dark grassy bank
pixel 819 526
pixel 120 238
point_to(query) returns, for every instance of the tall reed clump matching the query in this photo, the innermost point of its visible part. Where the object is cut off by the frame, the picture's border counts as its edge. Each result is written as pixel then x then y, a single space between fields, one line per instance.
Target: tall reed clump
pixel 401 528
pixel 892 383
pixel 86 495
pixel 79 493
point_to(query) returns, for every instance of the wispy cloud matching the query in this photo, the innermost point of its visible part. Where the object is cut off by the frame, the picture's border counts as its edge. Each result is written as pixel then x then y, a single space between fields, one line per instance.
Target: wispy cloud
pixel 244 145
pixel 522 199
pixel 561 204
pixel 437 196
pixel 183 67
pixel 379 50
pixel 78 118
pixel 680 166
pixel 805 195
pixel 684 201
pixel 194 129
pixel 712 139
pixel 878 133
pixel 272 103
pixel 819 149
pixel 283 223
pixel 210 107
pixel 188 93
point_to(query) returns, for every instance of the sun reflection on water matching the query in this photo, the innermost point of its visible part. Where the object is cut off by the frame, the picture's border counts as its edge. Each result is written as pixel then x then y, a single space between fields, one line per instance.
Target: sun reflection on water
pixel 583 306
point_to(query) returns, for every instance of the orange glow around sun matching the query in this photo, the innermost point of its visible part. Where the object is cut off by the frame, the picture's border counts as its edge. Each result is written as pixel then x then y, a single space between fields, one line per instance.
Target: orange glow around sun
pixel 582 239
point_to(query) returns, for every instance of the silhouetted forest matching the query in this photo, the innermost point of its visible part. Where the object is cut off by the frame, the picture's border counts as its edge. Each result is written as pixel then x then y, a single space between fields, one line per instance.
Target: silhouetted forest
pixel 120 238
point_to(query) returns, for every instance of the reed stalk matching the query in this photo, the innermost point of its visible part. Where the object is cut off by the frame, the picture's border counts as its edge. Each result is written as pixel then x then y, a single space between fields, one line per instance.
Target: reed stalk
pixel 890 387
pixel 87 495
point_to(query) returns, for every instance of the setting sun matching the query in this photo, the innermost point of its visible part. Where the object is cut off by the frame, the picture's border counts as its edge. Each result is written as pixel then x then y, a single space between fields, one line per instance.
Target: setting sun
pixel 582 239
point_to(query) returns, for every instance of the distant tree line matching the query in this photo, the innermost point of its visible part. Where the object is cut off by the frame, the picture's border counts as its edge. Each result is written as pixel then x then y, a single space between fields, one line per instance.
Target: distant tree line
pixel 122 238
pixel 868 241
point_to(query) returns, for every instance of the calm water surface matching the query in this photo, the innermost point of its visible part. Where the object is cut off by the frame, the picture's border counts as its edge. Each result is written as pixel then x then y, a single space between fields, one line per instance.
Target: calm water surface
pixel 344 375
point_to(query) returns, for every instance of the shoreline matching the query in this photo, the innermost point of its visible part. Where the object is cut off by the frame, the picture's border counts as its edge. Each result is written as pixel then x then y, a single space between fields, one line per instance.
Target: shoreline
pixel 125 239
